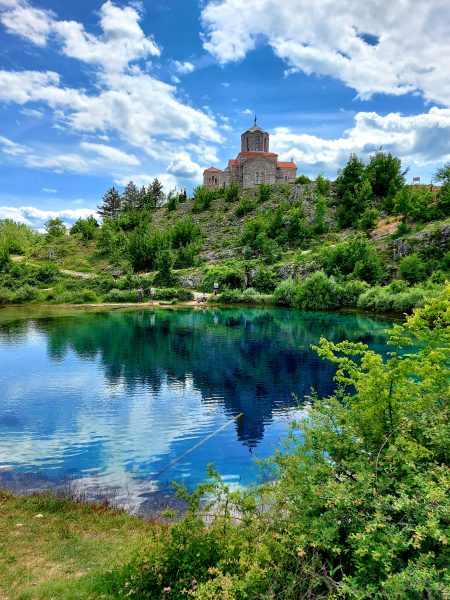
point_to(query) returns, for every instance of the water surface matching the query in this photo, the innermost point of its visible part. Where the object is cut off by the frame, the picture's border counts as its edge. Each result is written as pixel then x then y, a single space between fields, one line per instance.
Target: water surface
pixel 111 398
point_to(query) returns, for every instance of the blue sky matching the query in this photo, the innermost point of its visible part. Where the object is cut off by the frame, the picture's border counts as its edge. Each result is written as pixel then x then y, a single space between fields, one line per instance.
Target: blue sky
pixel 94 93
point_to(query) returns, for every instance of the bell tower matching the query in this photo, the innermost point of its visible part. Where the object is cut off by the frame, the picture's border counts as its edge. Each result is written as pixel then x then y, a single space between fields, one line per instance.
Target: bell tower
pixel 255 139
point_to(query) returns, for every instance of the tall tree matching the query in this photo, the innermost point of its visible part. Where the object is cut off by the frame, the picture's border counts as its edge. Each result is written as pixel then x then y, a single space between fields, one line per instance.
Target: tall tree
pixel 156 193
pixel 386 177
pixel 351 176
pixel 111 204
pixel 131 197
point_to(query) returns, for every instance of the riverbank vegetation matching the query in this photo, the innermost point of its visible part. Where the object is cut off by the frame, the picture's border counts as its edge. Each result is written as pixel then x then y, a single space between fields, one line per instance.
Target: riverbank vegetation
pixel 366 241
pixel 354 505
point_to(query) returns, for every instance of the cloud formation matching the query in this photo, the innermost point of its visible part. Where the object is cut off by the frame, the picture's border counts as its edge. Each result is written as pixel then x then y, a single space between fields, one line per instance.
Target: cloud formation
pixel 128 103
pixel 36 217
pixel 419 139
pixel 371 46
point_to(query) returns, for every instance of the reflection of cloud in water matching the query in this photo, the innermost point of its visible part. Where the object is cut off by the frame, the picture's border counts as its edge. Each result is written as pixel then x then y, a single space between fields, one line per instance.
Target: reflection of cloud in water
pixel 114 396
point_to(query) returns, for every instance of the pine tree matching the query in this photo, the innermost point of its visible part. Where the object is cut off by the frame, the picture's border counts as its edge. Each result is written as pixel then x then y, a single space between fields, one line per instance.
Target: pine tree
pixel 155 192
pixel 131 197
pixel 111 204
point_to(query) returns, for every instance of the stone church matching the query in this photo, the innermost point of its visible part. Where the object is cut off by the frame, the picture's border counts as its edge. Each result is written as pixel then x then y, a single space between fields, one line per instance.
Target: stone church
pixel 253 165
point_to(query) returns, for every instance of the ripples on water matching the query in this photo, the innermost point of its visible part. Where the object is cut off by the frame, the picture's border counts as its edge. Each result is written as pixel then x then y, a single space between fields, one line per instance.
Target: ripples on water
pixel 110 398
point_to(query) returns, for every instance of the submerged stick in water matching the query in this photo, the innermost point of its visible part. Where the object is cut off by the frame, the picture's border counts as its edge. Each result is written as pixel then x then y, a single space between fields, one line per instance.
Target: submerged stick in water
pixel 200 443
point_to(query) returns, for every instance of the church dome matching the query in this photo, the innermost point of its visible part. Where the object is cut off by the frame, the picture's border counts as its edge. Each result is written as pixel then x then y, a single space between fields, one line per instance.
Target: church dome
pixel 255 139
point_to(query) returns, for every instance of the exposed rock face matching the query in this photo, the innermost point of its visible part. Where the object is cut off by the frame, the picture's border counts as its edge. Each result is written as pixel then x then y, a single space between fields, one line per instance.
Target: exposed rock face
pixel 438 237
pixel 191 281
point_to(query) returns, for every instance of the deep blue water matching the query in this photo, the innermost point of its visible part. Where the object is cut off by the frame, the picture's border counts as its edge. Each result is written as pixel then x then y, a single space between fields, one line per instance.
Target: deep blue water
pixel 110 397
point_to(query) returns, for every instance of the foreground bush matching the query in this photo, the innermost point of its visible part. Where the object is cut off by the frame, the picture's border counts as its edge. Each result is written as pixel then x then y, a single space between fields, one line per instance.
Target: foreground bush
pixel 248 296
pixel 358 505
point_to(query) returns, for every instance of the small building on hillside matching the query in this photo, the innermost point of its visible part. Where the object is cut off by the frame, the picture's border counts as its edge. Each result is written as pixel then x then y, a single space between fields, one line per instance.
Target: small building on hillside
pixel 253 165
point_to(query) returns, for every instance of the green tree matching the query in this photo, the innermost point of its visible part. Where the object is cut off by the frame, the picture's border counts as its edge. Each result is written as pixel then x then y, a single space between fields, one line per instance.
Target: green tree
pixel 131 197
pixel 385 175
pixel 111 204
pixel 356 259
pixel 155 193
pixel 442 176
pixel 164 264
pixel 55 228
pixel 350 177
pixel 413 268
pixel 87 228
pixel 302 180
pixel 320 215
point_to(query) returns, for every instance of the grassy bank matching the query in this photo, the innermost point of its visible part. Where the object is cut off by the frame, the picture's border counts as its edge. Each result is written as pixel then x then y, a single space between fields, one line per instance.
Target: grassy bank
pixel 53 548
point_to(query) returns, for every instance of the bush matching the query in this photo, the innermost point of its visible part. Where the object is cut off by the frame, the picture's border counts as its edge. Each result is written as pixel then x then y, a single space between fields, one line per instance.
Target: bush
pixel 76 297
pixel 187 256
pixel 302 180
pixel 116 295
pixel 231 192
pixel 185 232
pixel 285 293
pixel 316 292
pixel 369 219
pixel 248 296
pixel 376 299
pixel 203 198
pixel 227 276
pixel 264 192
pixel 245 206
pixel 47 272
pixel 355 258
pixel 347 294
pixel 413 268
pixel 264 280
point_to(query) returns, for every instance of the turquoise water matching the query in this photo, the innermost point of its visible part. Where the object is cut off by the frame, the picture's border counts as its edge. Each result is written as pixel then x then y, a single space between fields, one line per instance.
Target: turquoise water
pixel 112 398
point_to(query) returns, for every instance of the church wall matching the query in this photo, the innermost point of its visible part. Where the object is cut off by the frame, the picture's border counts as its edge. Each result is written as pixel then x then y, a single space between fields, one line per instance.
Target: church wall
pixel 291 175
pixel 255 166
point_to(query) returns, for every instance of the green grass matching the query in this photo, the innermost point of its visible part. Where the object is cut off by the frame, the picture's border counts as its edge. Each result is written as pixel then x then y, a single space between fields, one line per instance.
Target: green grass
pixel 68 552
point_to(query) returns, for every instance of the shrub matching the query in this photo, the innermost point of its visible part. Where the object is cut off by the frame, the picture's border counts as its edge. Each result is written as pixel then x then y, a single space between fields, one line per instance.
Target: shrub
pixel 203 198
pixel 231 192
pixel 185 232
pixel 116 295
pixel 76 297
pixel 228 276
pixel 87 228
pixel 369 219
pixel 355 258
pixel 376 299
pixel 264 192
pixel 285 293
pixel 413 268
pixel 348 293
pixel 245 206
pixel 24 294
pixel 302 180
pixel 322 185
pixel 248 296
pixel 47 272
pixel 264 280
pixel 406 302
pixel 316 292
pixel 187 256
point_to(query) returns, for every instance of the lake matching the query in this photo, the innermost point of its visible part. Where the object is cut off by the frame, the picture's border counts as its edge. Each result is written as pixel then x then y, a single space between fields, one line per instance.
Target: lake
pixel 115 399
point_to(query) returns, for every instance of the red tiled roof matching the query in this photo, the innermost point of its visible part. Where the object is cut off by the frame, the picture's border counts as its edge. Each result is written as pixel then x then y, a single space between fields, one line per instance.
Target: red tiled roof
pixel 233 162
pixel 286 165
pixel 211 170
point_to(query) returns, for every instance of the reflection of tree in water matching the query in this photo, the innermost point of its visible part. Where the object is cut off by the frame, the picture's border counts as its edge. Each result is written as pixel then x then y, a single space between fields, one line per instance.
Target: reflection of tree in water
pixel 251 361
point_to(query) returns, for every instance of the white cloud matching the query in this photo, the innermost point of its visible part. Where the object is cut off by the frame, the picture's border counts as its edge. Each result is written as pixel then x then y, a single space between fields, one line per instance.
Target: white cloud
pixel 184 167
pixel 183 68
pixel 371 46
pixel 22 19
pixel 32 112
pixel 129 102
pixel 122 40
pixel 419 139
pixel 111 154
pixel 36 217
pixel 168 180
pixel 10 147
pixel 49 190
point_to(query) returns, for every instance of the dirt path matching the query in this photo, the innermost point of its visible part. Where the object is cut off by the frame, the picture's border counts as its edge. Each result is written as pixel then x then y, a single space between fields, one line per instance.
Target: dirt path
pixel 78 274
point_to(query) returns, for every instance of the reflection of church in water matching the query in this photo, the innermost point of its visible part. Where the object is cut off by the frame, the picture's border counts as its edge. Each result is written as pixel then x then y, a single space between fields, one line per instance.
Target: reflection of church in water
pixel 253 165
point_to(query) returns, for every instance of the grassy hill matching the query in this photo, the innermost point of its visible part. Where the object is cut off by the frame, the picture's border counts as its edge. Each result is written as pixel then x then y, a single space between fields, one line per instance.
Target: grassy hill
pixel 260 245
